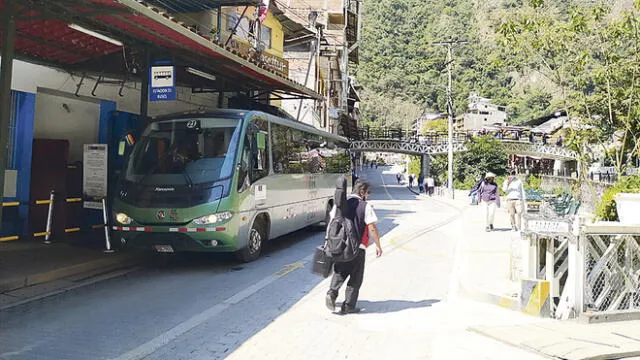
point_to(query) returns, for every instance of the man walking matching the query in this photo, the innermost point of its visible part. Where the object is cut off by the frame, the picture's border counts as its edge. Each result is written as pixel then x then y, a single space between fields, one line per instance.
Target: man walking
pixel 364 218
pixel 514 189
pixel 431 185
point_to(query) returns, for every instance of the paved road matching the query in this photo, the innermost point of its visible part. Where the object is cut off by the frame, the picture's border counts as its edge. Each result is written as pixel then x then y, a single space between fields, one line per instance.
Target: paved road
pixel 207 307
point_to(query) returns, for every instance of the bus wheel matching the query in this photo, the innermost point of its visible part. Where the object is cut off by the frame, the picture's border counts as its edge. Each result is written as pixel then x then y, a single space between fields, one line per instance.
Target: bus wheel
pixel 256 239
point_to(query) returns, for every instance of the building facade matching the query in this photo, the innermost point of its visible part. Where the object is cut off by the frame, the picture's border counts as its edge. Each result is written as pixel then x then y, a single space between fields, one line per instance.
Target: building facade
pixel 321 61
pixel 483 113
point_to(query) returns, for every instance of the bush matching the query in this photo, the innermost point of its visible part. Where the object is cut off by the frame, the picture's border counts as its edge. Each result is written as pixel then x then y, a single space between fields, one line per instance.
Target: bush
pixel 533 182
pixel 606 209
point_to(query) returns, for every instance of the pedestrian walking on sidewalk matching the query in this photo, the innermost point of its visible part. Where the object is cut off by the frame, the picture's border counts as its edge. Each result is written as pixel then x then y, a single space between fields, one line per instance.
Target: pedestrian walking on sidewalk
pixel 516 197
pixel 490 198
pixel 431 185
pixel 364 218
pixel 421 183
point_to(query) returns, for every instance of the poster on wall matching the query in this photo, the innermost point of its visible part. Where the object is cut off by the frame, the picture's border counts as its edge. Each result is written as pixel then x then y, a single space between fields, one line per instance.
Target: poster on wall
pixel 163 83
pixel 94 179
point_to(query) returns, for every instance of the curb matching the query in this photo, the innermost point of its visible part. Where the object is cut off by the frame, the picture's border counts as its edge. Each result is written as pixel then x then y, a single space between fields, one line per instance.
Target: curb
pixel 504 301
pixel 111 263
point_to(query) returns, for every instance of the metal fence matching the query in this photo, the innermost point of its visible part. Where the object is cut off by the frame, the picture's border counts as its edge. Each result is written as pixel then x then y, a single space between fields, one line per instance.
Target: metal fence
pixel 611 272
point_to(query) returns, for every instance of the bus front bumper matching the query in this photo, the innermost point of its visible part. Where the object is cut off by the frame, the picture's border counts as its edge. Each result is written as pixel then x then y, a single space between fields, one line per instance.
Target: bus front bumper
pixel 169 239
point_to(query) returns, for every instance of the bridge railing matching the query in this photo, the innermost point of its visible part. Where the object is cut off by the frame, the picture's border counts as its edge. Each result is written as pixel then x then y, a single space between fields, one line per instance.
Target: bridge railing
pixel 441 137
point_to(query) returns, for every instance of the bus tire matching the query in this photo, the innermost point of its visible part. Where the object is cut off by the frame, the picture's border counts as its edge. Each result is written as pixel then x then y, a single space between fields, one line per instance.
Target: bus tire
pixel 257 238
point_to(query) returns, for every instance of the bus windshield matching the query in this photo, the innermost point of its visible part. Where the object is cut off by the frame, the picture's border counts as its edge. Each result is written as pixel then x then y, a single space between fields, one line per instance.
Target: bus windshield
pixel 185 152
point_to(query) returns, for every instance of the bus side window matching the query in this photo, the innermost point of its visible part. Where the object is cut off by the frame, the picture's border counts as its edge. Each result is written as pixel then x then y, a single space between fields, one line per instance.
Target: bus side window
pixel 243 174
pixel 260 150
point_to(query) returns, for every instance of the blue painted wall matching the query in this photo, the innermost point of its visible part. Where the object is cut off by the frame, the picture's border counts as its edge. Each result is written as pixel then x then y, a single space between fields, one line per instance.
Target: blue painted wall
pixel 25 106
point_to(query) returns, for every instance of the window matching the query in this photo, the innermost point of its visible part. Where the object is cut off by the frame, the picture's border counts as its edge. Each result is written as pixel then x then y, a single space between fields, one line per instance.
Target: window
pixel 280 148
pixel 261 143
pixel 336 158
pixel 254 162
pixel 265 36
pixel 296 152
pixel 242 30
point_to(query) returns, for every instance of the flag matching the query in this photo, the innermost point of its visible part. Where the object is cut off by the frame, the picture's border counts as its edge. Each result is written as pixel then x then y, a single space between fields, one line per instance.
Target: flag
pixel 262 11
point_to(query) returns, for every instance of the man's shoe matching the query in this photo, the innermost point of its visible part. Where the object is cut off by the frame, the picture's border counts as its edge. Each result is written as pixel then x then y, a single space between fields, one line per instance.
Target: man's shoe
pixel 345 309
pixel 515 228
pixel 330 301
pixel 488 228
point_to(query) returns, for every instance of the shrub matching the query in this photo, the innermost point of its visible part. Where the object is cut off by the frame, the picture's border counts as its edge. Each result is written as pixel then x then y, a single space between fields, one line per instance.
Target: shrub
pixel 533 182
pixel 606 209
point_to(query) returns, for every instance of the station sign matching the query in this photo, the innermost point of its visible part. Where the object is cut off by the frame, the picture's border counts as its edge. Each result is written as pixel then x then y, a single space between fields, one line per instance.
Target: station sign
pixel 163 83
pixel 545 226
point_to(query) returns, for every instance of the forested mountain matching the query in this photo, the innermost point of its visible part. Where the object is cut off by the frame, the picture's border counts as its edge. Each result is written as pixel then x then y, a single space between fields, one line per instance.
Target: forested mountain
pixel 402 72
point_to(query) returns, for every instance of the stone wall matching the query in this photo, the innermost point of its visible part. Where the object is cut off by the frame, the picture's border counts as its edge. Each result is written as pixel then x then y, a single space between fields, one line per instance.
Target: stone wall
pixel 588 192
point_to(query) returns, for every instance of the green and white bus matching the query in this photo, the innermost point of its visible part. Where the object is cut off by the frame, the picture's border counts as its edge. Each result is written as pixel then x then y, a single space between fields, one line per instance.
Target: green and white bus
pixel 225 181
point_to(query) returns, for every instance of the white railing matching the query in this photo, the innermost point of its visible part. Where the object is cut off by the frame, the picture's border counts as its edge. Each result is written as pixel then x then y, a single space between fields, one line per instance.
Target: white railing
pixel 418 148
pixel 592 269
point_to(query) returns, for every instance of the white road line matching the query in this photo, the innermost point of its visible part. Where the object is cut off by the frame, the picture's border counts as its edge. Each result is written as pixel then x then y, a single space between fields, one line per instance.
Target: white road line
pixel 384 186
pixel 172 334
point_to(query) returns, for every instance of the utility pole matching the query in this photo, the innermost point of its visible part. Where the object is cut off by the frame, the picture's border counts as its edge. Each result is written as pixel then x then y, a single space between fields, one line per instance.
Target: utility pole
pixel 449 44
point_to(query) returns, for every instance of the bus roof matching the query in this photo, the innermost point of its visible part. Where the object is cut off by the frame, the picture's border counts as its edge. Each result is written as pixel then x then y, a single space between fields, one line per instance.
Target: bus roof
pixel 240 114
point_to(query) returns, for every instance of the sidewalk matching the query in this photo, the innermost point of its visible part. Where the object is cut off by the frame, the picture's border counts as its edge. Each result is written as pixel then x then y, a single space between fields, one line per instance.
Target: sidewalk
pixel 485 269
pixel 30 270
pixel 407 313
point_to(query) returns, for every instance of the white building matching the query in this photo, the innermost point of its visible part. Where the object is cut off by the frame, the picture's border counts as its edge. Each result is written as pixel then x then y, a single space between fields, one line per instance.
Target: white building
pixel 482 113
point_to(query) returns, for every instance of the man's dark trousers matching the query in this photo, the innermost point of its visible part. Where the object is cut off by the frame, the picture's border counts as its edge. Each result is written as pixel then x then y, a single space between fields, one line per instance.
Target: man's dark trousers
pixel 353 269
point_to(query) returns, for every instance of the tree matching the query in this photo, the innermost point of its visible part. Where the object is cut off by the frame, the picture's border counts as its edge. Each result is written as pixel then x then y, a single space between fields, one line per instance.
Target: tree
pixel 483 154
pixel 593 57
pixel 437 125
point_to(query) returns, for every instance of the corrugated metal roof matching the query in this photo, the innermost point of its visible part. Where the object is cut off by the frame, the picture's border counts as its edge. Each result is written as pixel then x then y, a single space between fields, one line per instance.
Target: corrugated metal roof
pixel 44 36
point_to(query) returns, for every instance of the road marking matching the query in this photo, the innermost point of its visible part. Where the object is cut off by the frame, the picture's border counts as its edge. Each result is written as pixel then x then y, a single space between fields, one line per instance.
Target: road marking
pixel 172 334
pixel 384 186
pixel 288 269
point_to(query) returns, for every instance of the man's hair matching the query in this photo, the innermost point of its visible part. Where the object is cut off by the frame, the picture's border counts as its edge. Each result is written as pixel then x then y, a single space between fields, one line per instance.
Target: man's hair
pixel 360 188
pixel 512 172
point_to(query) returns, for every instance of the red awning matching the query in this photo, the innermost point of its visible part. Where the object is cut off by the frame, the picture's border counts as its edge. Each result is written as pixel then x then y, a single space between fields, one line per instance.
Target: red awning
pixel 44 36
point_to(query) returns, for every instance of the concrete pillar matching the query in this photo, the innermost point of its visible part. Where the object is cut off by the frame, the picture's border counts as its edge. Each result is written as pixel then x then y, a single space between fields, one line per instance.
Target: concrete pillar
pixel 425 164
pixel 6 72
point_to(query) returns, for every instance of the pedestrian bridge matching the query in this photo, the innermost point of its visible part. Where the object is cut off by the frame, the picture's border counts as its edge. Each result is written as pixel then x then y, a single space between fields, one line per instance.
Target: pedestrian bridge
pixel 390 141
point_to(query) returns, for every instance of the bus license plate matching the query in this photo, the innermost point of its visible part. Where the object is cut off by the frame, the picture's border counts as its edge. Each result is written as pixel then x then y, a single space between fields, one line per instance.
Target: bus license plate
pixel 164 248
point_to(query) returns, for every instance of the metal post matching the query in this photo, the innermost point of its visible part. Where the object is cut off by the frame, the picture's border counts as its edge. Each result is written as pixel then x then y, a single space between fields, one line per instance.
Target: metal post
pixel 312 55
pixel 107 239
pixel 6 72
pixel 450 135
pixel 219 24
pixel 47 237
pixel 144 93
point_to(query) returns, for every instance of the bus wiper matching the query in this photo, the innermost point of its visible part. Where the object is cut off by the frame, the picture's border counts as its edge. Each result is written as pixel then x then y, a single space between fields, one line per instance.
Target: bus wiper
pixel 187 177
pixel 151 171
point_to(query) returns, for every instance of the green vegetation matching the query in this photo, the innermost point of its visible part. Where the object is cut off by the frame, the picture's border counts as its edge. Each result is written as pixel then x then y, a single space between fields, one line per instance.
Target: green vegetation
pixel 606 209
pixel 403 73
pixel 435 125
pixel 484 154
pixel 533 182
pixel 591 55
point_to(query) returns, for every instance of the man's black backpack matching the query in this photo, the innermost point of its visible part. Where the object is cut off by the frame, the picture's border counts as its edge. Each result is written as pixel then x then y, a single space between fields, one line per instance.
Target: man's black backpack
pixel 342 242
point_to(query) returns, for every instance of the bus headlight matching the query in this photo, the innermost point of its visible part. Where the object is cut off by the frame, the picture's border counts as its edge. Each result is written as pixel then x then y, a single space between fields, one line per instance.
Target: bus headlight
pixel 123 219
pixel 213 218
